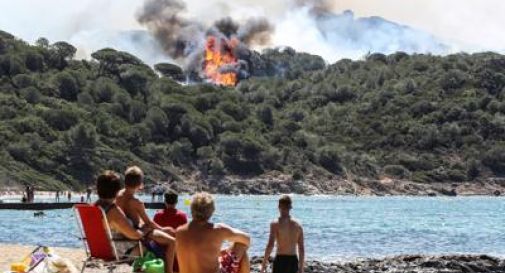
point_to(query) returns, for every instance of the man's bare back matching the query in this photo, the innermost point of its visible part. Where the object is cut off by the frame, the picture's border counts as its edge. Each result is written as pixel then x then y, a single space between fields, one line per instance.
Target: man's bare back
pixel 198 246
pixel 287 233
pixel 198 243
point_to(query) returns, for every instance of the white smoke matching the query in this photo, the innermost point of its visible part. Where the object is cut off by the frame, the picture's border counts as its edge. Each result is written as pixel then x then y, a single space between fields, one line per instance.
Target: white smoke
pixel 335 36
pixel 467 25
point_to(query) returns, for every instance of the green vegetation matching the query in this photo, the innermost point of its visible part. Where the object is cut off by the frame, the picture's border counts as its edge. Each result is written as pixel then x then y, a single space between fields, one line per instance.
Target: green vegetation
pixel 419 117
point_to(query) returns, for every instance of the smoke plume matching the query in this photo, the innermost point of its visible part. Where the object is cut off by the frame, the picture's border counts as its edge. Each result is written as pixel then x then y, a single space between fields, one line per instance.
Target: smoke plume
pixel 183 38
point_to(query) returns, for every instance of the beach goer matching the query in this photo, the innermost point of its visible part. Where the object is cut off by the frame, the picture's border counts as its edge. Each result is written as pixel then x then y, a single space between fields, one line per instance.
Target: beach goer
pixel 89 191
pixel 287 234
pixel 108 185
pixel 171 218
pixel 82 198
pixel 69 196
pixel 31 197
pixel 135 209
pixel 199 243
pixel 57 196
pixel 27 193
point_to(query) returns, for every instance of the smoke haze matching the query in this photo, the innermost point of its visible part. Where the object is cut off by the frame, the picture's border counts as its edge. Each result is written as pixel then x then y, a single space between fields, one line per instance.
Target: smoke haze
pixel 320 27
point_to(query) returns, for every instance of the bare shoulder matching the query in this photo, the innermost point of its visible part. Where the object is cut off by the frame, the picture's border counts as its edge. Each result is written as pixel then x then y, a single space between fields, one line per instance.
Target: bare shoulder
pixel 274 223
pixel 222 227
pixel 297 223
pixel 114 213
pixel 136 201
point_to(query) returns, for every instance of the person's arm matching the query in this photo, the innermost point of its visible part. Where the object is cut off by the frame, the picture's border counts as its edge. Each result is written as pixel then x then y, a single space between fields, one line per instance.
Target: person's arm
pixel 235 235
pixel 301 251
pixel 269 248
pixel 141 210
pixel 118 221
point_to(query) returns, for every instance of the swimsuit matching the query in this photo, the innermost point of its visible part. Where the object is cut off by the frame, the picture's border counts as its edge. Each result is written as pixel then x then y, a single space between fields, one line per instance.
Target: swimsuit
pixel 228 262
pixel 285 264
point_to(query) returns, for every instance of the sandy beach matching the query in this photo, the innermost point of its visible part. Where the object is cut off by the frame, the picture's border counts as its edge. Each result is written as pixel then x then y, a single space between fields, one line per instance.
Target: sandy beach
pixel 10 253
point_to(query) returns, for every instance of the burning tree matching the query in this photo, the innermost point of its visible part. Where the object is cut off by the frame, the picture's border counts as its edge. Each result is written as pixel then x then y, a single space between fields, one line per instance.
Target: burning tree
pixel 220 64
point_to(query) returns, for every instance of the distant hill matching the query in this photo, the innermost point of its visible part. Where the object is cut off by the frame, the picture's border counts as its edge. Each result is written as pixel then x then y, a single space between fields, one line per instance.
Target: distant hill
pixel 415 117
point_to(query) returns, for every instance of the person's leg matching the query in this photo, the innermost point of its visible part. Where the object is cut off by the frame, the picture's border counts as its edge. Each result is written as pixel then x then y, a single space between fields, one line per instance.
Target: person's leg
pixel 168 242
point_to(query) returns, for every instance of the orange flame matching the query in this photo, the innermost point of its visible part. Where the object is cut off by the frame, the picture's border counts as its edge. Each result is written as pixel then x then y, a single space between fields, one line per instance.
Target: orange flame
pixel 219 58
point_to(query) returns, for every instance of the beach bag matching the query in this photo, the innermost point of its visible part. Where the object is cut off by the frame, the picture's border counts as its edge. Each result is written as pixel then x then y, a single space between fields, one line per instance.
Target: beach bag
pixel 32 260
pixel 149 263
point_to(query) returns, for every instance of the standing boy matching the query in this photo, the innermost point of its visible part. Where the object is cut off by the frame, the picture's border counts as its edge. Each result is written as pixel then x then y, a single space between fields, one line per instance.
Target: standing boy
pixel 288 234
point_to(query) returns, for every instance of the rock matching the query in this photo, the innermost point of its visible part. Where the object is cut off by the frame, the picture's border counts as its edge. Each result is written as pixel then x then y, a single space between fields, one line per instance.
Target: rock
pixel 408 263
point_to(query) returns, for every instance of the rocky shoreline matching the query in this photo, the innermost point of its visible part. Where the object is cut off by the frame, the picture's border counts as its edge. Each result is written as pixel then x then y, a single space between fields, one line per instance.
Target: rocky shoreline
pixel 275 183
pixel 408 263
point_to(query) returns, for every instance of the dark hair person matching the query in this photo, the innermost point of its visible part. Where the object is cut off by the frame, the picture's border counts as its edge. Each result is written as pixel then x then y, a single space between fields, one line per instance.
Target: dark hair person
pixel 108 185
pixel 170 218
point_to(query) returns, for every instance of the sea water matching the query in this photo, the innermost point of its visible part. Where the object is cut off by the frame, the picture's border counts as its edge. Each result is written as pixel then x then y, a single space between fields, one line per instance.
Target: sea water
pixel 334 227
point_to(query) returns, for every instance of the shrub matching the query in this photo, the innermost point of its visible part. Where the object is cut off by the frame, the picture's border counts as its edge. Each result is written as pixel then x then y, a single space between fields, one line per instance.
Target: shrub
pixel 397 171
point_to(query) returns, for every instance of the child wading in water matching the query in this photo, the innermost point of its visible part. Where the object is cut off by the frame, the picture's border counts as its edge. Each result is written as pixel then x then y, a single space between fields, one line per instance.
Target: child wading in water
pixel 288 234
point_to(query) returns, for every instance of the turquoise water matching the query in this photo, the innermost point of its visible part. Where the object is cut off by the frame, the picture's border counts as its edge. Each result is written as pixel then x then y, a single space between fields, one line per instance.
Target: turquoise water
pixel 335 227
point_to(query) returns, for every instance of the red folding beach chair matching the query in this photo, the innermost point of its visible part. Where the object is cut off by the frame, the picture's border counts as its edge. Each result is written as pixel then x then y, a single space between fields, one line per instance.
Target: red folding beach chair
pixel 96 235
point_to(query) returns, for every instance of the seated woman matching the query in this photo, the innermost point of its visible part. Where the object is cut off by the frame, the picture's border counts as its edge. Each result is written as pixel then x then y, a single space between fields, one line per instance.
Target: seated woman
pixel 108 185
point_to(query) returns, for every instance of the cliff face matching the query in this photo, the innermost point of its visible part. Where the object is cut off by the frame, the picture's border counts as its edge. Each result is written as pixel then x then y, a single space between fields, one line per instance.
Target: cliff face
pixel 341 128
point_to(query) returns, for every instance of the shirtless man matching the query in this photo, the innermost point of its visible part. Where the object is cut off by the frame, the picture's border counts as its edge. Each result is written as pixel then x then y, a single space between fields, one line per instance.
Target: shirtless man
pixel 108 185
pixel 199 243
pixel 288 234
pixel 135 211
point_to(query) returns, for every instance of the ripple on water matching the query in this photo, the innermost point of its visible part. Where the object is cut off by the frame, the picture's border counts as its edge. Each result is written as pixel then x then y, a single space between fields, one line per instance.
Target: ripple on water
pixel 335 227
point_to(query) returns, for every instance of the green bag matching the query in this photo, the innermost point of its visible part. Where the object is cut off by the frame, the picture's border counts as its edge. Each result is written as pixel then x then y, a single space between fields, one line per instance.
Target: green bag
pixel 148 264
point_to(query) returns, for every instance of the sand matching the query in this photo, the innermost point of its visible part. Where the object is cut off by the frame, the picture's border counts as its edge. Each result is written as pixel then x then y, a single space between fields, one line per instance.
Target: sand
pixel 13 253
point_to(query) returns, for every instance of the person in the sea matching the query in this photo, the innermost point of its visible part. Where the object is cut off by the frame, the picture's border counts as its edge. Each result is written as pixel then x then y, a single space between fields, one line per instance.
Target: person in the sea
pixel 108 185
pixel 287 234
pixel 171 218
pixel 199 243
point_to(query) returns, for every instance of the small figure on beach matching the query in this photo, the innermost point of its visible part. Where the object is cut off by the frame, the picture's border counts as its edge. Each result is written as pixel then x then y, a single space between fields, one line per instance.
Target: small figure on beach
pixel 89 191
pixel 287 234
pixel 171 218
pixel 82 198
pixel 57 196
pixel 199 242
pixel 29 193
pixel 69 196
pixel 108 185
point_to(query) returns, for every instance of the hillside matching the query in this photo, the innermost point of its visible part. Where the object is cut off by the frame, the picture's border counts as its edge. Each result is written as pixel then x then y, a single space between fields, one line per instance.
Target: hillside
pixel 420 118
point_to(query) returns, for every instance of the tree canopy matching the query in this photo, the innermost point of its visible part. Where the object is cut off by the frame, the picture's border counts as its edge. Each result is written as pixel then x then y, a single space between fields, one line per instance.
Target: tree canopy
pixel 419 117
